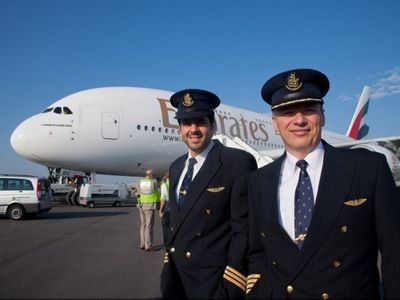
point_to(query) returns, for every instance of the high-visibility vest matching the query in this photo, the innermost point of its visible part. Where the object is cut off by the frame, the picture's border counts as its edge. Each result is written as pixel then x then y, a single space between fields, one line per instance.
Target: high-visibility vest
pixel 148 190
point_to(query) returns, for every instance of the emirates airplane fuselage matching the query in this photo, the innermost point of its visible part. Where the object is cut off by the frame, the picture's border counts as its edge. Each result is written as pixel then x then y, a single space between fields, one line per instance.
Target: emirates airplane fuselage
pixel 126 130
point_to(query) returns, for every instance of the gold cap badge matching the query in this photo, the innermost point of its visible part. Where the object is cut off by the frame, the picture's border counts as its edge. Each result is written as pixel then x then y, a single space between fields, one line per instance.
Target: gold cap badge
pixel 187 100
pixel 293 83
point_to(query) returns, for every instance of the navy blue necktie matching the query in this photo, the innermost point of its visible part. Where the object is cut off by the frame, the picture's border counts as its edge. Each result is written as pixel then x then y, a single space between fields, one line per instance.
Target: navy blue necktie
pixel 187 180
pixel 304 203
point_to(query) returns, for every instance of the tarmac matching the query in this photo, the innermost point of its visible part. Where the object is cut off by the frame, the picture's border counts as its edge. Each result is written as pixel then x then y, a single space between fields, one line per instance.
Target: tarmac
pixel 76 252
pixel 79 252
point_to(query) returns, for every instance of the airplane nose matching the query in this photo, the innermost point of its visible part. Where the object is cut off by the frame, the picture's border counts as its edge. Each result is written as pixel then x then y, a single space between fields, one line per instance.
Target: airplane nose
pixel 19 140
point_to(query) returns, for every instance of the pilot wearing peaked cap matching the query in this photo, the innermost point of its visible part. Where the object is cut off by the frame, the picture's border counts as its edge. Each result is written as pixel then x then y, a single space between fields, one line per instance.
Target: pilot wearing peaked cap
pixel 319 214
pixel 294 87
pixel 204 181
pixel 194 103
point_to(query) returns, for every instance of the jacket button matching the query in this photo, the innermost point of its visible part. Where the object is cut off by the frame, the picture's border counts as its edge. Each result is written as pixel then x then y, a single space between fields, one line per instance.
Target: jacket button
pixel 172 229
pixel 290 289
pixel 208 211
pixel 343 229
pixel 172 250
pixel 325 296
pixel 337 264
pixel 188 254
pixel 263 235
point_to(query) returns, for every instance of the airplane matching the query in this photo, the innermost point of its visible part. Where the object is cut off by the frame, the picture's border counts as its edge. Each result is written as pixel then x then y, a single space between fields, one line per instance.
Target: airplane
pixel 127 130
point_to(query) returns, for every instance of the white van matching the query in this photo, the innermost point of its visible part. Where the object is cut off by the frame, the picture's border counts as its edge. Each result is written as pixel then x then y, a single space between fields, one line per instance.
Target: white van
pixel 92 194
pixel 22 195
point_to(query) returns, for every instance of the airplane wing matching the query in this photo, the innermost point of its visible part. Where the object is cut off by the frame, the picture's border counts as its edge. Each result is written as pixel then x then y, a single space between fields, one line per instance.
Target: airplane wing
pixel 388 146
pixel 382 140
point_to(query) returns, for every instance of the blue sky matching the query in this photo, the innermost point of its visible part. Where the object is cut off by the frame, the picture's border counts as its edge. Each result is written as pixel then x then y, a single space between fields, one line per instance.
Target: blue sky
pixel 50 49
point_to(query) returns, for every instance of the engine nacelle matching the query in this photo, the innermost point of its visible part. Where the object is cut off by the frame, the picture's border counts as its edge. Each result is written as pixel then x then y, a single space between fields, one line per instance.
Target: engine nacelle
pixel 391 157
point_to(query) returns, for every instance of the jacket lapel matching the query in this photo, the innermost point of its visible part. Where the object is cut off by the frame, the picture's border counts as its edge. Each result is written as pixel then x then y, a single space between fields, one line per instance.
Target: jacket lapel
pixel 268 194
pixel 269 217
pixel 175 174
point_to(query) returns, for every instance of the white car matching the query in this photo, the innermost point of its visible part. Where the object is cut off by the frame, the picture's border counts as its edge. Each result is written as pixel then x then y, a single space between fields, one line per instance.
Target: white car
pixel 22 195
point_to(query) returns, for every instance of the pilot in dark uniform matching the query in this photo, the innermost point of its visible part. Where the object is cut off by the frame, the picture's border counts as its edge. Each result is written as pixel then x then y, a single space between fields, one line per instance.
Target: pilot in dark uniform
pixel 206 244
pixel 318 215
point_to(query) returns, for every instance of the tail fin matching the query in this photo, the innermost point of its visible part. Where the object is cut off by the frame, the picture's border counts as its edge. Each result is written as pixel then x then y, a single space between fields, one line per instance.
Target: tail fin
pixel 358 127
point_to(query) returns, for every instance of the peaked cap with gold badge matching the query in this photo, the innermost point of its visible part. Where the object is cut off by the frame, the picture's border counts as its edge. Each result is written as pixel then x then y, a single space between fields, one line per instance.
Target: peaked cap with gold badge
pixel 194 103
pixel 295 86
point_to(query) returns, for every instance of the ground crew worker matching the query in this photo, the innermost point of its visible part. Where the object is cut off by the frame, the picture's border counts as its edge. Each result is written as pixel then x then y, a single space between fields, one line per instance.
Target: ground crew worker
pixel 148 202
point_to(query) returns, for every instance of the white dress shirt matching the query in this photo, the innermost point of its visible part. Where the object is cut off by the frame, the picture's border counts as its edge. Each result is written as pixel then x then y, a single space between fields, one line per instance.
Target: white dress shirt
pixel 288 182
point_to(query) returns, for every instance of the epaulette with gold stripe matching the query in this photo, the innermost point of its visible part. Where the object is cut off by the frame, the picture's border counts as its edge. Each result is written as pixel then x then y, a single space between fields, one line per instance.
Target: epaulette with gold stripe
pixel 235 277
pixel 251 281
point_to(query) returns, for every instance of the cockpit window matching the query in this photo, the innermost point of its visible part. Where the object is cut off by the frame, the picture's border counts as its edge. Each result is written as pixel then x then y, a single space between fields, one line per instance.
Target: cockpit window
pixel 67 111
pixel 59 110
pixel 49 109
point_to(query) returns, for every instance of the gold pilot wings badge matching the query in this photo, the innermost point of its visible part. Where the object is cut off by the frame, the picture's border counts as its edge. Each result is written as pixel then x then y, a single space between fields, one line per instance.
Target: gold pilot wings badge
pixel 355 202
pixel 216 189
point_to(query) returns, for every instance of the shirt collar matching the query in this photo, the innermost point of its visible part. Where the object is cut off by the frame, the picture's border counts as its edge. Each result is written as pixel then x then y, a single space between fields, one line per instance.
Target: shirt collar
pixel 201 157
pixel 314 158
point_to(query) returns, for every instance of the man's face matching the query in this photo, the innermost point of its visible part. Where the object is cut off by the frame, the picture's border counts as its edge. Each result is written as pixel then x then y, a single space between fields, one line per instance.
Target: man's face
pixel 300 127
pixel 196 133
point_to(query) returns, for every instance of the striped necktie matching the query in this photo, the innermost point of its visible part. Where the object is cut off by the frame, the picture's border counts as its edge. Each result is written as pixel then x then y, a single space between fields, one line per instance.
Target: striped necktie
pixel 304 204
pixel 187 180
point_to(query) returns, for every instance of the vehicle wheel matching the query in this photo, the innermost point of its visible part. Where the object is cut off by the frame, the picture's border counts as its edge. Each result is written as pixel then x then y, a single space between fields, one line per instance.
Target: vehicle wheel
pixel 16 212
pixel 117 204
pixel 91 204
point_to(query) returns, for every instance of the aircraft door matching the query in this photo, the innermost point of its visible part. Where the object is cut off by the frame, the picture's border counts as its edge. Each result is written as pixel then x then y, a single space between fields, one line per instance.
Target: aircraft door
pixel 110 125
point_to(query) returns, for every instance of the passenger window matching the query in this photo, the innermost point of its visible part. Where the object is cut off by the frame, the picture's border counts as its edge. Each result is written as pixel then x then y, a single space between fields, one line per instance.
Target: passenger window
pixel 57 110
pixel 67 111
pixel 13 184
pixel 27 185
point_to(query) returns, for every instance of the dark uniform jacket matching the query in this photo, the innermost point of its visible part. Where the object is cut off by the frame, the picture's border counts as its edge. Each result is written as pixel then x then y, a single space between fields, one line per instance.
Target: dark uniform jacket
pixel 357 211
pixel 207 238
